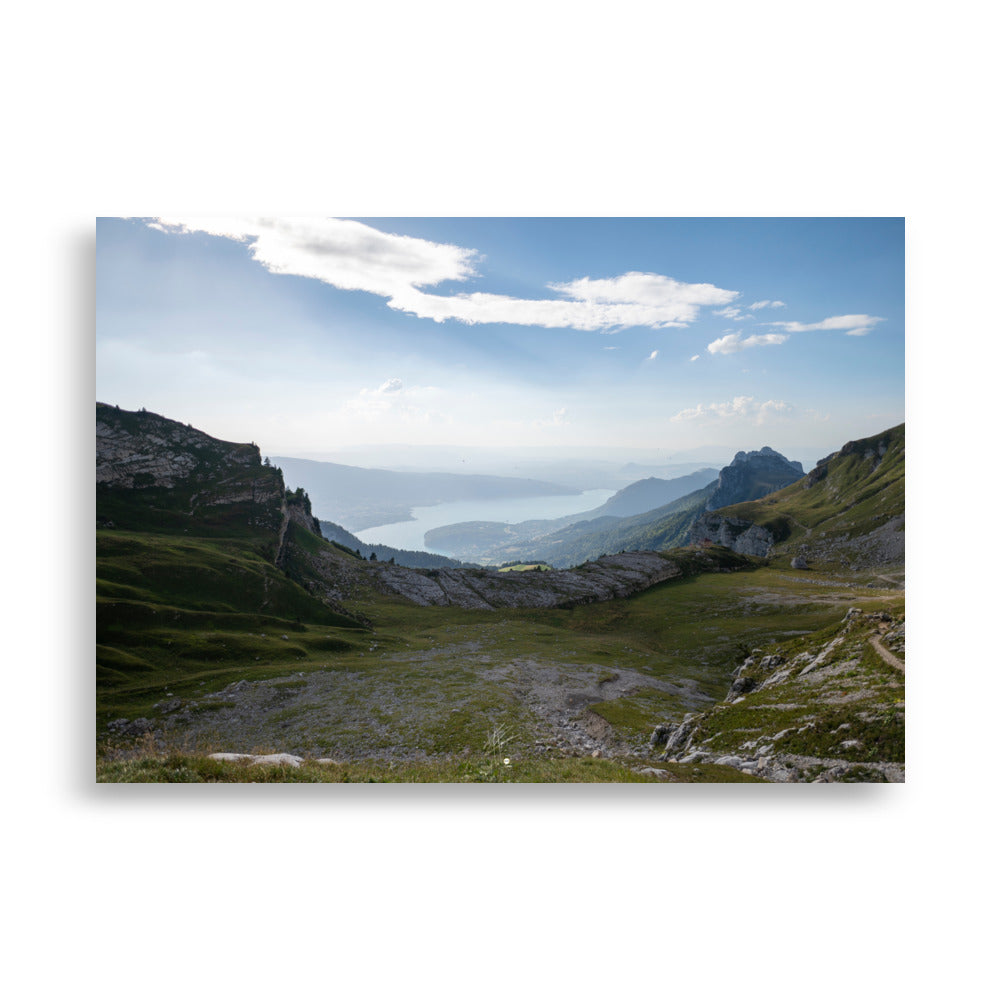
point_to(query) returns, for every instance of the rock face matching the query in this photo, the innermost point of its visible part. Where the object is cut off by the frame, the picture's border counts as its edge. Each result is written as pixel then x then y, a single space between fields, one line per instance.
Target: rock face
pixel 752 475
pixel 142 450
pixel 827 710
pixel 741 536
pixel 602 580
pixel 169 471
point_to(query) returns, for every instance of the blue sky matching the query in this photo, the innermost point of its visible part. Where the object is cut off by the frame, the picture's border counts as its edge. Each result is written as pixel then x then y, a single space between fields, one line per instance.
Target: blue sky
pixel 311 335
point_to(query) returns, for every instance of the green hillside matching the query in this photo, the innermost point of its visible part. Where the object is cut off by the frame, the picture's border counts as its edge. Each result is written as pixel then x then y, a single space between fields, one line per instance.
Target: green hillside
pixel 656 530
pixel 190 586
pixel 848 512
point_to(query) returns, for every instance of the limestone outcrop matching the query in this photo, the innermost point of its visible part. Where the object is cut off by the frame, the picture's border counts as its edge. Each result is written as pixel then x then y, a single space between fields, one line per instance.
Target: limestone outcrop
pixel 752 475
pixel 830 710
pixel 744 537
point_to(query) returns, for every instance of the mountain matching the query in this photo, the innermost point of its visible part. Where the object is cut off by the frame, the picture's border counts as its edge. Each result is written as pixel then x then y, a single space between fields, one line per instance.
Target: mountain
pixel 365 498
pixel 649 494
pixel 494 542
pixel 748 476
pixel 656 530
pixel 848 512
pixel 752 475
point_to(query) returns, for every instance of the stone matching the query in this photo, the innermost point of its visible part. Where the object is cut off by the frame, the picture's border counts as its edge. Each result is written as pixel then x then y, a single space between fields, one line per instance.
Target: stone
pixel 660 734
pixel 799 563
pixel 287 759
pixel 137 727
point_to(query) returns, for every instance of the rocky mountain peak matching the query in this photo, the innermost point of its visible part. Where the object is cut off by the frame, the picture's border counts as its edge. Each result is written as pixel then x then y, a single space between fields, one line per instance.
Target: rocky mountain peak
pixel 752 475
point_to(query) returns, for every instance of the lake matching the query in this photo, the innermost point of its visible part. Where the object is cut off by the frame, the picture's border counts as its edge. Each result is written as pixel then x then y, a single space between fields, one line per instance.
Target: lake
pixel 410 534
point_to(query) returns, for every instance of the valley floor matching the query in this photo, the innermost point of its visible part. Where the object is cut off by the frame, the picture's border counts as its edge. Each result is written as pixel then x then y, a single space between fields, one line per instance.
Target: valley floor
pixel 448 694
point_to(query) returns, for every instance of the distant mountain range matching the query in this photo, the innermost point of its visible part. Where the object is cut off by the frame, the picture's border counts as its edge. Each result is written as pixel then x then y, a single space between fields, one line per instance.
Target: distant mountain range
pixel 648 494
pixel 359 498
pixel 650 514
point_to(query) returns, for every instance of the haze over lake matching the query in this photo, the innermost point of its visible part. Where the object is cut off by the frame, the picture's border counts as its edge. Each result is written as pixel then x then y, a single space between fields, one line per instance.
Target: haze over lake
pixel 410 534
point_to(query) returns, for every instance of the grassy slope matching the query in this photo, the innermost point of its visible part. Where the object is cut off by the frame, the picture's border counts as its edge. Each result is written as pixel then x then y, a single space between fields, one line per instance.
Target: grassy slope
pixel 657 530
pixel 176 767
pixel 429 681
pixel 851 709
pixel 846 501
pixel 190 612
pixel 188 595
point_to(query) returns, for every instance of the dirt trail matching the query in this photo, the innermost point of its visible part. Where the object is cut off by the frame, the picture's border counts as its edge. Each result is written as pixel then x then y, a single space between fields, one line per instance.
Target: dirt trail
pixel 889 658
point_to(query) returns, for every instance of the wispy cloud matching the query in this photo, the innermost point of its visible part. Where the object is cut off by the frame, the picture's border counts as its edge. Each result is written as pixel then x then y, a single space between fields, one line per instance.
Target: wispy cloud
pixel 731 312
pixel 739 408
pixel 392 401
pixel 354 256
pixel 856 325
pixel 732 342
pixel 695 357
pixel 766 304
pixel 652 356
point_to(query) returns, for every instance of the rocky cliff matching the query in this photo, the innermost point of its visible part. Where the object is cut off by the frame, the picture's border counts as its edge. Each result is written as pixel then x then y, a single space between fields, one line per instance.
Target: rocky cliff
pixel 752 475
pixel 152 471
pixel 741 536
pixel 341 581
pixel 848 513
pixel 825 707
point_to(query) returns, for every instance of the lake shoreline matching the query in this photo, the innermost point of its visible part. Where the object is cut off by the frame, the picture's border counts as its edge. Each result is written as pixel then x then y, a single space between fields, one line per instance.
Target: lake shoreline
pixel 409 534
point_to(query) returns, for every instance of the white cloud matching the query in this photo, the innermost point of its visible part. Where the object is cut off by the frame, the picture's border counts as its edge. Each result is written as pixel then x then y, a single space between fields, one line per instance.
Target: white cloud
pixel 351 255
pixel 652 356
pixel 766 304
pixel 695 357
pixel 739 408
pixel 732 342
pixel 731 312
pixel 856 325
pixel 391 385
pixel 340 252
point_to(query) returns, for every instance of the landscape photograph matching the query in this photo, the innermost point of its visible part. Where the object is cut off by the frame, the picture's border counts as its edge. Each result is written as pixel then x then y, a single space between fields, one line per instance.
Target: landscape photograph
pixel 500 500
